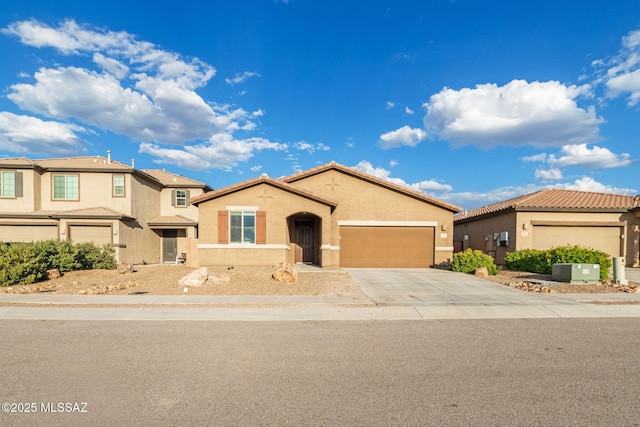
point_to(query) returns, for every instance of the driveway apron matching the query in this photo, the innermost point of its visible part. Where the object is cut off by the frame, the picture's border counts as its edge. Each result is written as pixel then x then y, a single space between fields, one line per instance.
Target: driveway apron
pixel 434 287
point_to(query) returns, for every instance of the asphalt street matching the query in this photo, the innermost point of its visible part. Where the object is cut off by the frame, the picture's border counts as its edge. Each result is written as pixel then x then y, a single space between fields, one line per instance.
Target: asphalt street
pixel 507 372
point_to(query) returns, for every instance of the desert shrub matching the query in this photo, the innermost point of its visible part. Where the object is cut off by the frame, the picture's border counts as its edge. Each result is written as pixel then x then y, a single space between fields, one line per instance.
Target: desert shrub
pixel 469 260
pixel 541 261
pixel 58 254
pixel 92 257
pixel 24 263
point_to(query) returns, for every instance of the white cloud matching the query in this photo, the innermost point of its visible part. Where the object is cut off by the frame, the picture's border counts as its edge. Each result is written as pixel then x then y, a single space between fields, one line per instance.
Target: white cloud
pixel 241 77
pixel 589 184
pixel 302 145
pixel 408 110
pixel 427 186
pixel 256 168
pixel 473 200
pixel 621 74
pixel 580 155
pixel 402 136
pixel 112 66
pixel 25 134
pixel 548 174
pixel 157 103
pixel 541 114
pixel 393 163
pixel 305 146
pixel 221 152
pixel 390 105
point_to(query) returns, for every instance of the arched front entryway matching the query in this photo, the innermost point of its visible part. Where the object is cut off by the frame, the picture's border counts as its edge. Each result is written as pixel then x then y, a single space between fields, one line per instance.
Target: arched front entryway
pixel 304 232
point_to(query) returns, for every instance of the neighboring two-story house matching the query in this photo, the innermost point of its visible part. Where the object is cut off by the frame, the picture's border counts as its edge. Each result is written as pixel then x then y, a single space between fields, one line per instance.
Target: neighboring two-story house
pixel 144 214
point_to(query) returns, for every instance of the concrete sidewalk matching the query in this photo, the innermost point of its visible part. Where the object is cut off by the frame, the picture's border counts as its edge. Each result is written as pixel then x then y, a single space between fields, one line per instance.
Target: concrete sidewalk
pixel 390 295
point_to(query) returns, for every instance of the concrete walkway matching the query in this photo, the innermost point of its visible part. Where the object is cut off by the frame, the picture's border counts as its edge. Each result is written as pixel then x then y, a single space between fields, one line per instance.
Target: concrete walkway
pixel 391 294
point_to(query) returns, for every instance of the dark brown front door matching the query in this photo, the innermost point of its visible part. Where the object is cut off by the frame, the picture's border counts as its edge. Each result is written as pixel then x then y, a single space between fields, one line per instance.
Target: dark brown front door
pixel 304 238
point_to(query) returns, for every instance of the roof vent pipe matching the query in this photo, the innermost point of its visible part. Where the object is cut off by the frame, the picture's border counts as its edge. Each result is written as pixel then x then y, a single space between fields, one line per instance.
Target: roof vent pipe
pixel 108 156
pixel 133 163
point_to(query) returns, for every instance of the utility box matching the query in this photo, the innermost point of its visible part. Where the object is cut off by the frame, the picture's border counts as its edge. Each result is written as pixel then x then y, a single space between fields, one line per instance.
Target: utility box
pixel 576 273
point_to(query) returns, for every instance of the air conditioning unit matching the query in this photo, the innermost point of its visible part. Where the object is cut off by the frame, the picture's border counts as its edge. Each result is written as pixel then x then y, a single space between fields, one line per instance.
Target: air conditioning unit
pixel 575 273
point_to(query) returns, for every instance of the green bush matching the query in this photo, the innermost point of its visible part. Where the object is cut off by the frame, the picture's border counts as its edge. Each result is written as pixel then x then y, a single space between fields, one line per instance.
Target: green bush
pixel 24 263
pixel 541 261
pixel 469 260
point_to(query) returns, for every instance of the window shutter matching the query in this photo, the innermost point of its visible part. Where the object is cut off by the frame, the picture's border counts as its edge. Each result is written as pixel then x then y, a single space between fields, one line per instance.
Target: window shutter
pixel 173 197
pixel 18 184
pixel 188 193
pixel 261 228
pixel 223 227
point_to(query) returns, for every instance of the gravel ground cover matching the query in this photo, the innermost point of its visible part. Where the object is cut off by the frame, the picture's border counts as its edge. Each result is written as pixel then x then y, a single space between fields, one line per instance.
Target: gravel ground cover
pixel 163 280
pixel 534 282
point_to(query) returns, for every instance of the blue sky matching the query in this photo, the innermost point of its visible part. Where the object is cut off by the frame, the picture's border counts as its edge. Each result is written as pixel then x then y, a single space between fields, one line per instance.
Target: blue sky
pixel 470 102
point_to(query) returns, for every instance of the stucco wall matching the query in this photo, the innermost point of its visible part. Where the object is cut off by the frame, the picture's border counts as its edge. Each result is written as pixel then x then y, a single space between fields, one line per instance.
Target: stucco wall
pixel 478 230
pixel 26 203
pixel 278 205
pixel 141 242
pixel 363 201
pixel 521 229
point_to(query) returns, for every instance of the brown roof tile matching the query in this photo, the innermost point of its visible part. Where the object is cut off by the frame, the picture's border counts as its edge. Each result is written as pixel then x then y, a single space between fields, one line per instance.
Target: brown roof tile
pixel 370 178
pixel 553 198
pixel 260 180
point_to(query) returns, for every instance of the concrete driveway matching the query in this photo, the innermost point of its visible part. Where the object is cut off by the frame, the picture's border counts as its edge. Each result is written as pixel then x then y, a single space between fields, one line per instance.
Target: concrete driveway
pixel 434 287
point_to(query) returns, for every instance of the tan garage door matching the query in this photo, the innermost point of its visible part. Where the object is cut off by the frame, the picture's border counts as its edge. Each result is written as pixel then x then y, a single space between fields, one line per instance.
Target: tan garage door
pixel 28 233
pixel 386 246
pixel 98 234
pixel 606 239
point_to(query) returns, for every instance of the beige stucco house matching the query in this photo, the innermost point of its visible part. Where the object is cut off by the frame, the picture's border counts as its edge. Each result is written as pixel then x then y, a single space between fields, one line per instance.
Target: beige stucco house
pixel 553 217
pixel 331 216
pixel 144 214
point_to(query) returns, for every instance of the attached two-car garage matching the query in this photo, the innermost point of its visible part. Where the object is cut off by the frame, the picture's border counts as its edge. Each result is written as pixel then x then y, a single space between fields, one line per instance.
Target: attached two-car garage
pixel 386 246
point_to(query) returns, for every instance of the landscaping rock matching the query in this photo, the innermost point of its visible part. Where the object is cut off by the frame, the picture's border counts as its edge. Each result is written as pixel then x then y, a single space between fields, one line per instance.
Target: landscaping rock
pixel 285 272
pixel 124 267
pixel 196 278
pixel 54 273
pixel 482 272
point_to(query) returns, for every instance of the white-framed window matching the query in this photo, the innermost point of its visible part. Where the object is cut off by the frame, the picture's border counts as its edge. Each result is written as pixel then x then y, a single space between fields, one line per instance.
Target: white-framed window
pixel 7 184
pixel 118 186
pixel 242 227
pixel 65 187
pixel 181 198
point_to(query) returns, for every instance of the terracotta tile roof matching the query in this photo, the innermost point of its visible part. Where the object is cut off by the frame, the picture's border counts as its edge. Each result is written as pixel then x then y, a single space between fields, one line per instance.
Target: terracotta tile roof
pixel 553 199
pixel 260 180
pixel 370 178
pixel 169 179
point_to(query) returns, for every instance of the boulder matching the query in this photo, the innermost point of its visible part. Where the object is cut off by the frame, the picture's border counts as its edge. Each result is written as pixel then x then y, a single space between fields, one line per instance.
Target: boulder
pixel 196 278
pixel 482 272
pixel 285 272
pixel 124 267
pixel 54 273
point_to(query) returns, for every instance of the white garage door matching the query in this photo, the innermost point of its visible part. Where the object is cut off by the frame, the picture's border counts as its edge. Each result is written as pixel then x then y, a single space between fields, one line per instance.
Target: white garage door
pixel 28 233
pixel 98 234
pixel 606 239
